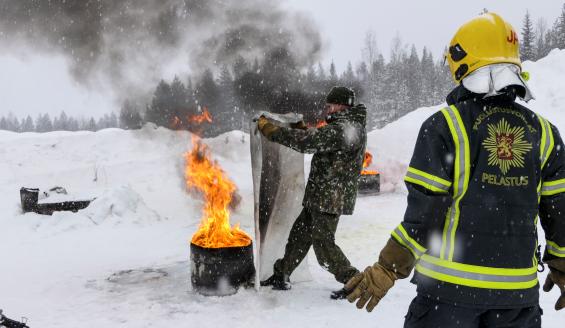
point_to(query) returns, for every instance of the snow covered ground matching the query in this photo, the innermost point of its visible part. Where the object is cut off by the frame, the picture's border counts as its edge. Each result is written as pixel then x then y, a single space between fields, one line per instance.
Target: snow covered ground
pixel 123 261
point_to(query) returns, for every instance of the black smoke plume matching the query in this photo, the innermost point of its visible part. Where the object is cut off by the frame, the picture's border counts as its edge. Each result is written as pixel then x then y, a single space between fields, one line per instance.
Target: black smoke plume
pixel 133 43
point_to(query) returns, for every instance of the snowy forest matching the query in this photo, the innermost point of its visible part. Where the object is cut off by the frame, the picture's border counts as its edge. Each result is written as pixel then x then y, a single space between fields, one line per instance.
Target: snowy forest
pixel 229 96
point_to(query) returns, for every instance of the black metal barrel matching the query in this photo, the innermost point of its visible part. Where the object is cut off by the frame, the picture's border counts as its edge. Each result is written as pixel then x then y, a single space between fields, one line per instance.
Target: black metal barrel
pixel 369 184
pixel 221 271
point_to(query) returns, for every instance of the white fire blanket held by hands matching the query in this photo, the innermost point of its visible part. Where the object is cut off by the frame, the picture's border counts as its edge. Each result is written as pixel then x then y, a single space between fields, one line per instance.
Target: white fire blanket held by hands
pixel 278 187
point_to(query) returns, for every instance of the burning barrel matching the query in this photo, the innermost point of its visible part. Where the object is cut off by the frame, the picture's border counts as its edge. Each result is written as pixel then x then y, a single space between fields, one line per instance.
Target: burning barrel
pixel 221 271
pixel 221 256
pixel 370 180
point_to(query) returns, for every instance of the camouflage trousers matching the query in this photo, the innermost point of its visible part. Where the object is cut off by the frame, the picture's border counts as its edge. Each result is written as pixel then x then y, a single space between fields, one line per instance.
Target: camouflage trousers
pixel 316 229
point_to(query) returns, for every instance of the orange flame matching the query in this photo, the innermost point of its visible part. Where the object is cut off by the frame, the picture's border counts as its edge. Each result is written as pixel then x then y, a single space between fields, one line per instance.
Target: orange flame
pixel 366 162
pixel 206 176
pixel 319 124
pixel 201 118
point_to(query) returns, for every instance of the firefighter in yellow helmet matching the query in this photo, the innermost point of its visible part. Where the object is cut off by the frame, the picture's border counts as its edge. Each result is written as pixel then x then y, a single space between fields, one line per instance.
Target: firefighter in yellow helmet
pixel 483 170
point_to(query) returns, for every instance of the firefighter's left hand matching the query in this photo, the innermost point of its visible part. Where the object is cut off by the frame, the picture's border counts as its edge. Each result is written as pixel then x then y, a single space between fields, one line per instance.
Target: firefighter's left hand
pixel 556 277
pixel 267 128
pixel 370 286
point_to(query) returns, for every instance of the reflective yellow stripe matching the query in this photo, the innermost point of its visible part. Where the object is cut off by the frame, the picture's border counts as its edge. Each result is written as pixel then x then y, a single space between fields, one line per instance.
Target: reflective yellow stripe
pixel 549 188
pixel 427 180
pixel 546 147
pixel 460 179
pixel 548 141
pixel 477 276
pixel 554 249
pixel 402 237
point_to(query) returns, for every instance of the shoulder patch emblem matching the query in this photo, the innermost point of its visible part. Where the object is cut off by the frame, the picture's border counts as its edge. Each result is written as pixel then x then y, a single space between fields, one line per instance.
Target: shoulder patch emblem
pixel 506 146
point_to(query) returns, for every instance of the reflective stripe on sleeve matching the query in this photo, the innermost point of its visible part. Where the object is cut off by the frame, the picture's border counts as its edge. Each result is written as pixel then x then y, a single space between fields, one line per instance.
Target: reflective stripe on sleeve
pixel 554 249
pixel 403 238
pixel 549 188
pixel 546 147
pixel 477 276
pixel 427 180
pixel 547 141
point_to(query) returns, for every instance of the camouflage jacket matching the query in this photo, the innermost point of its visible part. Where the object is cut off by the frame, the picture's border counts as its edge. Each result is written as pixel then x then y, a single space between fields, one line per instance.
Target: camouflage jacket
pixel 338 148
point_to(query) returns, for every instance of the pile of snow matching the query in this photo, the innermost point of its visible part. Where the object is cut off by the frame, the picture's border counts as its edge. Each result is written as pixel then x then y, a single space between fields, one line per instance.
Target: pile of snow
pixel 123 261
pixel 120 205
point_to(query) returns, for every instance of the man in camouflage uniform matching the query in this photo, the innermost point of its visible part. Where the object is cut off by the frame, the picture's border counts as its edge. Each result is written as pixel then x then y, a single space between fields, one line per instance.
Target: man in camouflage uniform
pixel 338 149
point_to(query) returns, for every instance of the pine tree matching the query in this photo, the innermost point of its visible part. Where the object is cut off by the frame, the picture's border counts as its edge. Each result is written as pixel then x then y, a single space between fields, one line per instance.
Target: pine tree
pixel 240 67
pixel 375 96
pixel 91 125
pixel 333 73
pixel 113 120
pixel 61 123
pixel 541 44
pixel 27 125
pixel 73 124
pixel 3 124
pixel 130 117
pixel 428 78
pixel 413 80
pixel 528 36
pixel 43 123
pixel 159 112
pixel 310 79
pixel 560 30
pixel 370 51
pixel 12 123
pixel 363 73
pixel 349 75
pixel 228 114
pixel 207 91
pixel 179 108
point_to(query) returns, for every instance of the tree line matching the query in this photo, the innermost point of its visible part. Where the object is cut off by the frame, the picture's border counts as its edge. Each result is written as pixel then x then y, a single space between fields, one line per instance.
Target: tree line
pixel 63 122
pixel 233 95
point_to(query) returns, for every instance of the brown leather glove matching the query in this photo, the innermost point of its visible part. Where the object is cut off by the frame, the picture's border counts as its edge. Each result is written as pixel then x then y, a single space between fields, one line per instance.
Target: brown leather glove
pixel 395 262
pixel 556 277
pixel 267 128
pixel 370 286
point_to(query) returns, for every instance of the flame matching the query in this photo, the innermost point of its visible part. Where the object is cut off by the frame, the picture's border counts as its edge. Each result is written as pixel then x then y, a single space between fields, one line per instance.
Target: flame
pixel 319 124
pixel 206 176
pixel 366 162
pixel 201 118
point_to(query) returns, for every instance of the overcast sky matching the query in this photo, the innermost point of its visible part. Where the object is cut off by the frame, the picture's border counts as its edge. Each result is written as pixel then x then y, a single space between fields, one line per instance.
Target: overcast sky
pixel 34 83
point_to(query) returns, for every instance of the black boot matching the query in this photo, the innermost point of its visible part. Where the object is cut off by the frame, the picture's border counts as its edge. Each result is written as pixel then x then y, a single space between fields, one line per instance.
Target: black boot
pixel 340 294
pixel 279 282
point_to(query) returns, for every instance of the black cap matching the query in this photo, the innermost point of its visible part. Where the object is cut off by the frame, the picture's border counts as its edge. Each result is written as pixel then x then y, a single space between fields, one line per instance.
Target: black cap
pixel 341 96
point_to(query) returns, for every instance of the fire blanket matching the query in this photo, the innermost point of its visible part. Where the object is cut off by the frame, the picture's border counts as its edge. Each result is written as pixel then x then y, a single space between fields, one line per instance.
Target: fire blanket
pixel 278 186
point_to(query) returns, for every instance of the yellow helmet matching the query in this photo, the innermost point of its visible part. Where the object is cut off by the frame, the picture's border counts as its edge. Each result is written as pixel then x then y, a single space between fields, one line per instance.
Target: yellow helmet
pixel 487 39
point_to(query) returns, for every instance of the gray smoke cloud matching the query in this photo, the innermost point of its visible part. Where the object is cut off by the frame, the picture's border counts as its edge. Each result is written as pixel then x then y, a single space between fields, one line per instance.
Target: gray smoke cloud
pixel 132 43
